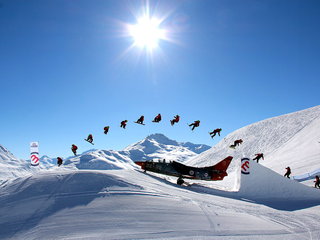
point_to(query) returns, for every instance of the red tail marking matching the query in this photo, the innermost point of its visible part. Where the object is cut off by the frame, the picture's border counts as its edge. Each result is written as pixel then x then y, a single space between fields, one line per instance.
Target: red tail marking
pixel 222 168
pixel 141 164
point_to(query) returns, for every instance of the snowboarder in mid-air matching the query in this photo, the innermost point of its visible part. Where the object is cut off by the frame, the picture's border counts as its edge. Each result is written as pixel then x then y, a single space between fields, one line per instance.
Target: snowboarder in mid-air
pixel 74 149
pixel 124 124
pixel 258 156
pixel 140 120
pixel 317 182
pixel 106 129
pixel 195 124
pixel 157 118
pixel 214 132
pixel 175 119
pixel 59 161
pixel 287 174
pixel 236 143
pixel 89 138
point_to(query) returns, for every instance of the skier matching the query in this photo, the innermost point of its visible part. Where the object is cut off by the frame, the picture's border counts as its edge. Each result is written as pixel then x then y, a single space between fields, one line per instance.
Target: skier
pixel 258 156
pixel 106 129
pixel 59 161
pixel 157 118
pixel 317 182
pixel 89 138
pixel 214 132
pixel 287 174
pixel 140 120
pixel 74 149
pixel 124 124
pixel 180 181
pixel 195 124
pixel 176 119
pixel 236 143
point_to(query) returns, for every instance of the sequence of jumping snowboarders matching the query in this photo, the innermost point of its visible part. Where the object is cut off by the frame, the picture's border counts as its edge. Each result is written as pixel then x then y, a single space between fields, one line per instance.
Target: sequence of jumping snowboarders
pixel 175 120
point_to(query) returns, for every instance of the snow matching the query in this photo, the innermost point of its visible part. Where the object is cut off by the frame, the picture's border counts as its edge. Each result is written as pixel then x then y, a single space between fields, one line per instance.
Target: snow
pixel 103 195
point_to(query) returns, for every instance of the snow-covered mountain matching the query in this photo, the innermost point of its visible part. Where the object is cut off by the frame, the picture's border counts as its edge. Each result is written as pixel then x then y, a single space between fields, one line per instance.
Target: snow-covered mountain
pixel 287 140
pixel 155 146
pixel 158 146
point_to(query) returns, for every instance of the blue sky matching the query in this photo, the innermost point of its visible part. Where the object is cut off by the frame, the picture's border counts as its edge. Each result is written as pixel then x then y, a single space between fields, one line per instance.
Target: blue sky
pixel 66 70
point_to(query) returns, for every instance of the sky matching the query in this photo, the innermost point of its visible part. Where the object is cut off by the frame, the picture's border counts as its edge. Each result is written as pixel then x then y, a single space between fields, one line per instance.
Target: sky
pixel 69 68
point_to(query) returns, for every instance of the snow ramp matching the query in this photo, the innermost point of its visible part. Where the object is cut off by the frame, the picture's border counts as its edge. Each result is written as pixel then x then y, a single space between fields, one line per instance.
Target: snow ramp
pixel 259 182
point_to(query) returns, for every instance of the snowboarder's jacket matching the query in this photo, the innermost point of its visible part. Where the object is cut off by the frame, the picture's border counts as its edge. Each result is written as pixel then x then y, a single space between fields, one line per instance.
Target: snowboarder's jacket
pixel 106 128
pixel 258 156
pixel 74 147
pixel 176 118
pixel 90 137
pixel 217 130
pixel 196 123
pixel 59 162
pixel 237 142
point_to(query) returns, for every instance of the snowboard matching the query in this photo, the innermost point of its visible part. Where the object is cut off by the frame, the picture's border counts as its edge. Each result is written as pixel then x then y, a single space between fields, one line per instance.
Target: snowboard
pixel 88 141
pixel 140 123
pixel 232 146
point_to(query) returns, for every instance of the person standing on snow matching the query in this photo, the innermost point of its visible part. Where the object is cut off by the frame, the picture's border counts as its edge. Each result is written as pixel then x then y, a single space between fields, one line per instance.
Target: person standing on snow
pixel 287 174
pixel 317 182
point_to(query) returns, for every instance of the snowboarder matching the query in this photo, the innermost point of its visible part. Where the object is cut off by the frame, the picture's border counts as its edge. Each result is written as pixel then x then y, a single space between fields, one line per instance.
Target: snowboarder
pixel 157 118
pixel 89 138
pixel 106 129
pixel 140 120
pixel 195 124
pixel 59 161
pixel 74 149
pixel 180 180
pixel 287 174
pixel 214 132
pixel 124 124
pixel 317 182
pixel 176 119
pixel 258 156
pixel 236 143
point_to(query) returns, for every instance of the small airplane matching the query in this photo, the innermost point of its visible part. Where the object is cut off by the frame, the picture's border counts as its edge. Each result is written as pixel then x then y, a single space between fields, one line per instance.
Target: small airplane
pixel 213 173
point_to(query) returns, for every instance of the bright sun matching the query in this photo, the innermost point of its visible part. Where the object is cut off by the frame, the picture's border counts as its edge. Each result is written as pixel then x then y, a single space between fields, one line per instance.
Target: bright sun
pixel 147 32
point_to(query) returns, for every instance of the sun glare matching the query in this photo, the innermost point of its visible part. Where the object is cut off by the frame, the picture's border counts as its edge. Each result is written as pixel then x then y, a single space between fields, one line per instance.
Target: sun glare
pixel 147 32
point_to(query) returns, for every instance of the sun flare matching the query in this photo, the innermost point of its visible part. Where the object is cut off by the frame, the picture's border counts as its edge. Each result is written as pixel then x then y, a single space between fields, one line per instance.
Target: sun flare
pixel 147 32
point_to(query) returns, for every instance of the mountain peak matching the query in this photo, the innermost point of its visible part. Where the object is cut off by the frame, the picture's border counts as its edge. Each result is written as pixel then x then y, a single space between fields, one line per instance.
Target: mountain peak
pixel 162 139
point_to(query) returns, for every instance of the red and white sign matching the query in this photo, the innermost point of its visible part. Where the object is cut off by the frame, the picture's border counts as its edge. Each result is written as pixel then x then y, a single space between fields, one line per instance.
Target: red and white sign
pixel 245 166
pixel 34 153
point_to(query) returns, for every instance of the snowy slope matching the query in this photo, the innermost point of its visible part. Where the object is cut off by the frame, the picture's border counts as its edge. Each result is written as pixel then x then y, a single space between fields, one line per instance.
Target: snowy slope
pixel 10 166
pixel 288 140
pixel 128 204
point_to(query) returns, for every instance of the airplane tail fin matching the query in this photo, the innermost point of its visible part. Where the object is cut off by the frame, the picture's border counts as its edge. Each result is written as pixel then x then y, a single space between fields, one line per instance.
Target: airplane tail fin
pixel 141 164
pixel 219 171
